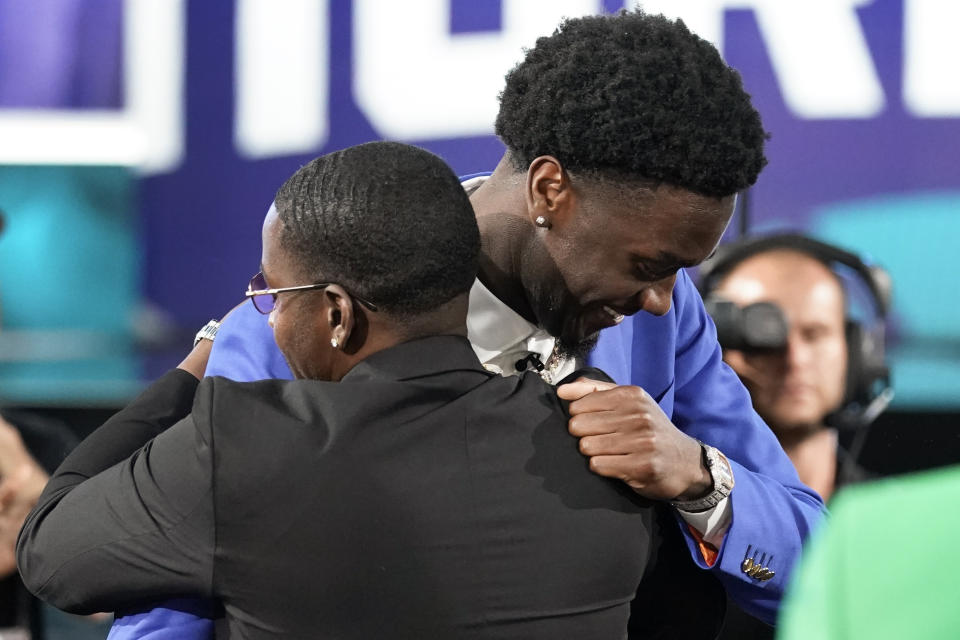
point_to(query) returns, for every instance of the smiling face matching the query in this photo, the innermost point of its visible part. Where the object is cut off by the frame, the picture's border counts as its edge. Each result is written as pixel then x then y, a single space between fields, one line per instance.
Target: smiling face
pixel 615 254
pixel 796 388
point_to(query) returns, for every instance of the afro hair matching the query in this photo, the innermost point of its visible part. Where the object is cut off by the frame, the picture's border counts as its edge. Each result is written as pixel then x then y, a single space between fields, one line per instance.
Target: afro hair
pixel 637 96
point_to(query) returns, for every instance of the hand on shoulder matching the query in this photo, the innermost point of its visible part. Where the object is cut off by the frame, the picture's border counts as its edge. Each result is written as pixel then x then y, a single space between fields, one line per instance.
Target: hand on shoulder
pixel 627 436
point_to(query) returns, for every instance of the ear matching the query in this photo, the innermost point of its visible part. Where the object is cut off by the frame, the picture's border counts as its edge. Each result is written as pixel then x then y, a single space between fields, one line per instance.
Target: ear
pixel 339 314
pixel 549 195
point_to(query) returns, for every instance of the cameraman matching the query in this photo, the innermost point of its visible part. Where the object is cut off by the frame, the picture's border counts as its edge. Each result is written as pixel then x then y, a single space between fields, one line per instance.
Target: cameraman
pixel 795 388
pixel 782 316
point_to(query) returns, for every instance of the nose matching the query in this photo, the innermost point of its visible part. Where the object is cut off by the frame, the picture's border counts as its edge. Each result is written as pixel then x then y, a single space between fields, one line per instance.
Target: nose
pixel 799 351
pixel 270 317
pixel 656 298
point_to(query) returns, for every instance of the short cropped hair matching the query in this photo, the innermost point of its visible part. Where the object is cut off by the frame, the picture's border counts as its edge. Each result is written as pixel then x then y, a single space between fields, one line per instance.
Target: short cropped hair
pixel 387 221
pixel 633 95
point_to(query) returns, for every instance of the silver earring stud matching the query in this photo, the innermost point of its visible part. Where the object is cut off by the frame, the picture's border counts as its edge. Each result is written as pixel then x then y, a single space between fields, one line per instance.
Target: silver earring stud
pixel 542 222
pixel 334 343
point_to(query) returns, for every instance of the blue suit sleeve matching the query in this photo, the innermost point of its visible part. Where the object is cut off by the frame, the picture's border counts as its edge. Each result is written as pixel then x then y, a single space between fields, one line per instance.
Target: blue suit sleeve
pixel 182 619
pixel 773 512
pixel 245 351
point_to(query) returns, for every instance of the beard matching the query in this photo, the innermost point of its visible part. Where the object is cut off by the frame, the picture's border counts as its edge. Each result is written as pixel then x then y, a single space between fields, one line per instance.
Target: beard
pixel 559 312
pixel 577 349
pixel 560 315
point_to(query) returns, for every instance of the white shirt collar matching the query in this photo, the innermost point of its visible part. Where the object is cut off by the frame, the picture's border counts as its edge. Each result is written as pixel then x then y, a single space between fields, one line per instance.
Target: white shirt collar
pixel 492 326
pixel 500 336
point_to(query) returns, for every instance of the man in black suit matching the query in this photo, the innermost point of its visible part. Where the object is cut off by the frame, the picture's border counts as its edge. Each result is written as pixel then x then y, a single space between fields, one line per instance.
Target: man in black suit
pixel 395 489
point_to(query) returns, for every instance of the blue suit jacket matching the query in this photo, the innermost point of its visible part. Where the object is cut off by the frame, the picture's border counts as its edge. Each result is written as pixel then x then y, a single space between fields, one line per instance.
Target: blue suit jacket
pixel 676 359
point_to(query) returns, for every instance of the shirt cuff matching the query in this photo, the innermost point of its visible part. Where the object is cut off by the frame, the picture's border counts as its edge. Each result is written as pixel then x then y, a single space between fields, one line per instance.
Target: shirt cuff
pixel 711 524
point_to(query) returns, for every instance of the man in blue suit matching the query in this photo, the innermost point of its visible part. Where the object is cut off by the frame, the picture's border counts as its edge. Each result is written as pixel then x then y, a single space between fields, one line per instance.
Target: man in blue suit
pixel 627 139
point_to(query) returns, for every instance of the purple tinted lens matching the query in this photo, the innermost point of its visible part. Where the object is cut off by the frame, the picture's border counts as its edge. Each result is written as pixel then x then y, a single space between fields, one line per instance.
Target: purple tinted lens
pixel 265 303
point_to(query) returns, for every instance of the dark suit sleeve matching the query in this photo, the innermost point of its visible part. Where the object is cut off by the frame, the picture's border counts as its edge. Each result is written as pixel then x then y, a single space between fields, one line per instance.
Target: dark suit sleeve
pixel 675 599
pixel 128 516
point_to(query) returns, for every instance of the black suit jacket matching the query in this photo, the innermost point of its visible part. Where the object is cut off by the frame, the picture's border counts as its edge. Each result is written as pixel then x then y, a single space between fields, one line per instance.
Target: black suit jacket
pixel 420 497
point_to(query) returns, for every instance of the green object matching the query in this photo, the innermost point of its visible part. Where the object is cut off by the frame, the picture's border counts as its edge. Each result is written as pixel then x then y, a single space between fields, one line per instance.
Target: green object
pixel 883 566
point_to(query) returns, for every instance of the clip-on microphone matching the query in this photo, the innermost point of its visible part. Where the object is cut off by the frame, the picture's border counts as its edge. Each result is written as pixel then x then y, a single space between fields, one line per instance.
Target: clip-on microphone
pixel 531 360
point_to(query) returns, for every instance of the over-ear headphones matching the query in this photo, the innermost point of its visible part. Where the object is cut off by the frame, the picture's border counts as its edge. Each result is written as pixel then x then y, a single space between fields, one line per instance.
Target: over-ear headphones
pixel 868 389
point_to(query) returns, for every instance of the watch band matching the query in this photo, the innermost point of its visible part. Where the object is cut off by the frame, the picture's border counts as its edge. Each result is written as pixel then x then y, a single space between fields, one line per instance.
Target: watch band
pixel 208 332
pixel 722 475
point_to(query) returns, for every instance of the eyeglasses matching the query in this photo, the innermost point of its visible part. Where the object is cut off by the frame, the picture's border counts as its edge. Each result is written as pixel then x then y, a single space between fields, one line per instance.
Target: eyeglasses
pixel 265 298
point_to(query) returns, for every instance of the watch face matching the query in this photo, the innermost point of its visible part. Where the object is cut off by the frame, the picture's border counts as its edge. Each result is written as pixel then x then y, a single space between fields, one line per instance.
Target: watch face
pixel 722 476
pixel 721 471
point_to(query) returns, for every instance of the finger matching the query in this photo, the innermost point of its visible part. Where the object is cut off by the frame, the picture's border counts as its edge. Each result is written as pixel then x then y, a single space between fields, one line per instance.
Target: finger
pixel 12 449
pixel 615 444
pixel 617 467
pixel 621 399
pixel 634 469
pixel 598 423
pixel 8 490
pixel 581 387
pixel 753 377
